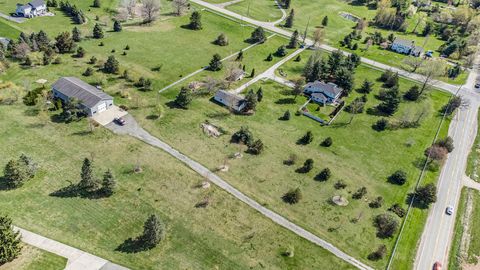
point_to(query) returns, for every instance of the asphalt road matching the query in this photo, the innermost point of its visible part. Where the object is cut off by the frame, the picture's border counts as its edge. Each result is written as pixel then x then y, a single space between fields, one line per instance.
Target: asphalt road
pixel 437 236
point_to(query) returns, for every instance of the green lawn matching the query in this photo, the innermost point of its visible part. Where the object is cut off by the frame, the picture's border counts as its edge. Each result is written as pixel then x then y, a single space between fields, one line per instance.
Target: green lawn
pixel 262 10
pixel 8 31
pixel 33 258
pixel 458 257
pixel 473 158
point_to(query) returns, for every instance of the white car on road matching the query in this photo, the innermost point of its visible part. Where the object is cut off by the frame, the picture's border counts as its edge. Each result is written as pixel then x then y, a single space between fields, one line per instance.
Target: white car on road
pixel 449 210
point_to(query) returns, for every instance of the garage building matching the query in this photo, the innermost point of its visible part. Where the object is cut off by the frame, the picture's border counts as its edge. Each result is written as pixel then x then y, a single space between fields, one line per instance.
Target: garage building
pixel 93 100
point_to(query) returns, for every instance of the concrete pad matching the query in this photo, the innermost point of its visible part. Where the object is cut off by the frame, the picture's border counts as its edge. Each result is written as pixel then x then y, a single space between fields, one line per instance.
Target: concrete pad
pixel 106 117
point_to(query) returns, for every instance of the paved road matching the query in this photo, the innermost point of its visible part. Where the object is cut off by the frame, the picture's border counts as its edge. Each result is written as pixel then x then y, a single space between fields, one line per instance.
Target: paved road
pixel 437 236
pixel 134 130
pixel 273 28
pixel 77 259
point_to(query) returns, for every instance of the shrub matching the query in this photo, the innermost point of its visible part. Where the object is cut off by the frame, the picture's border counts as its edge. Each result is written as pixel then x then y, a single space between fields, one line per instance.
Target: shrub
pixel 425 195
pixel 359 193
pixel 269 58
pixel 378 254
pixel 292 159
pixel 281 51
pixel 221 40
pixel 380 125
pixel 184 98
pixel 57 61
pixel 376 203
pixel 293 196
pixel 286 116
pixel 327 142
pixel 307 138
pixel 242 136
pixel 324 175
pixel 93 60
pixel 399 177
pixel 340 185
pixel 88 72
pixel 386 225
pixel 256 147
pixel 412 94
pixel 446 143
pixel 307 166
pixel 436 152
pixel 398 210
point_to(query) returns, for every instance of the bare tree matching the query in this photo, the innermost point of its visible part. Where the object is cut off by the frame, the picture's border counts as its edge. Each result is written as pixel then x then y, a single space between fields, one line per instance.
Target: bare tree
pixel 150 10
pixel 318 37
pixel 413 62
pixel 431 71
pixel 129 8
pixel 180 6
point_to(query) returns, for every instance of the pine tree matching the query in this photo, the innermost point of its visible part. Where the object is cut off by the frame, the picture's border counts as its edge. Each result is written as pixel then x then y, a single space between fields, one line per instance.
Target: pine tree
pixel 239 56
pixel 269 58
pixel 76 34
pixel 252 74
pixel 111 66
pixel 325 21
pixel 64 43
pixel 281 51
pixel 289 20
pixel 88 182
pixel 97 31
pixel 153 232
pixel 221 40
pixel 109 184
pixel 80 52
pixel 286 4
pixel 184 98
pixel 260 94
pixel 216 63
pixel 10 245
pixel 258 35
pixel 250 101
pixel 196 21
pixel 96 3
pixel 14 174
pixel 293 40
pixel 117 26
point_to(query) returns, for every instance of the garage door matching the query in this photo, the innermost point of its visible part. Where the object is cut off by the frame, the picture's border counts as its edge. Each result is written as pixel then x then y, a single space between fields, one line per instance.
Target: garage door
pixel 102 107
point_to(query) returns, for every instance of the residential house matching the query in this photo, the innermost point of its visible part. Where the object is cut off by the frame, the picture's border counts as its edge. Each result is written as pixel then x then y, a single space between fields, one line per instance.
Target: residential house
pixel 32 9
pixel 4 42
pixel 406 47
pixel 236 75
pixel 323 93
pixel 230 100
pixel 92 100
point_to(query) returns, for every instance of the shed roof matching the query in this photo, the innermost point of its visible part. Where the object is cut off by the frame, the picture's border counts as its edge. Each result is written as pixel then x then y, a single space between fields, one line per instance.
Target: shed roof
pixel 37 3
pixel 75 88
pixel 230 100
pixel 403 42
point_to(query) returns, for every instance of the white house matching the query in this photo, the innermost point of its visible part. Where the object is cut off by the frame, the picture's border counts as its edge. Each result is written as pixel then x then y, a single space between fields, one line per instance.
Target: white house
pixel 323 93
pixel 406 47
pixel 32 9
pixel 230 100
pixel 91 99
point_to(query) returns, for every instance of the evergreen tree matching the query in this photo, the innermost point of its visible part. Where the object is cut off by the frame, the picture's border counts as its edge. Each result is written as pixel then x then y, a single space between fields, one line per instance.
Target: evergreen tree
pixel 46 59
pixel 96 3
pixel 97 31
pixel 109 184
pixel 222 40
pixel 307 138
pixel 286 116
pixel 153 232
pixel 269 58
pixel 289 20
pixel 258 35
pixel 250 101
pixel 76 34
pixel 239 56
pixel 344 79
pixel 88 72
pixel 10 245
pixel 325 21
pixel 28 61
pixel 117 26
pixel 184 98
pixel 111 66
pixel 80 52
pixel 88 182
pixel 252 74
pixel 281 51
pixel 413 93
pixel 196 21
pixel 324 175
pixel 256 148
pixel 367 87
pixel 64 43
pixel 42 40
pixel 260 94
pixel 293 196
pixel 216 63
pixel 293 40
pixel 14 174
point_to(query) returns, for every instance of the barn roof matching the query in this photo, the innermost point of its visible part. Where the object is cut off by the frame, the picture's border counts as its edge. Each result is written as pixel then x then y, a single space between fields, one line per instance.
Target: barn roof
pixel 75 88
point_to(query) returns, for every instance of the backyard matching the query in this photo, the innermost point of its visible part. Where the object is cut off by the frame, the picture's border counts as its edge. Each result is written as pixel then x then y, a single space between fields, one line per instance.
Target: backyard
pixel 35 259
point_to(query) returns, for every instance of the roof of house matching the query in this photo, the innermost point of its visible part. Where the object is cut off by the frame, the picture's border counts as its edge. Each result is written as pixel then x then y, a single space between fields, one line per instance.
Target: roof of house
pixel 37 3
pixel 75 88
pixel 417 49
pixel 319 96
pixel 4 41
pixel 328 88
pixel 403 42
pixel 230 100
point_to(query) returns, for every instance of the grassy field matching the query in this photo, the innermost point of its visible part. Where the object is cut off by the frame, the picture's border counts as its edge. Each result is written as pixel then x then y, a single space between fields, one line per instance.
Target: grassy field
pixel 473 159
pixel 33 258
pixel 262 10
pixel 226 234
pixel 351 159
pixel 469 257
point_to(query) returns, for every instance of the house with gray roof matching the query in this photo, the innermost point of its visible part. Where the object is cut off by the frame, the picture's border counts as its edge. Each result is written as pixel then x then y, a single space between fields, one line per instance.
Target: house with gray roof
pixel 230 100
pixel 4 41
pixel 406 47
pixel 92 100
pixel 32 9
pixel 323 93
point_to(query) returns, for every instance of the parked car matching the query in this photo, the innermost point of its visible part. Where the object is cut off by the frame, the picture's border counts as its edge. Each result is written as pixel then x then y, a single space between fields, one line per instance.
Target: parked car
pixel 449 210
pixel 429 54
pixel 437 266
pixel 120 121
pixel 477 85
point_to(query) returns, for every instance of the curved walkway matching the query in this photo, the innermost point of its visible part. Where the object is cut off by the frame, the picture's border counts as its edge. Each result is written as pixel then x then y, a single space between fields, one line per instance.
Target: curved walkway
pixel 133 129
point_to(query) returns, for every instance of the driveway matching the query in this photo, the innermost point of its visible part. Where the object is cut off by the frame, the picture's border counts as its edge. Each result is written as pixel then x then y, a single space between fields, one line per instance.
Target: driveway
pixel 11 18
pixel 107 116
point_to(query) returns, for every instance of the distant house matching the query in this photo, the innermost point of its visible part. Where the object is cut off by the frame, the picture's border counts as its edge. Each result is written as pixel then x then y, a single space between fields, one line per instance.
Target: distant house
pixel 236 75
pixel 93 100
pixel 4 41
pixel 323 93
pixel 230 100
pixel 406 47
pixel 32 9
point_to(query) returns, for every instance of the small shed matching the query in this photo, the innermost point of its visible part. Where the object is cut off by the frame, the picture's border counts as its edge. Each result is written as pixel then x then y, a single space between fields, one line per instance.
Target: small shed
pixel 230 100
